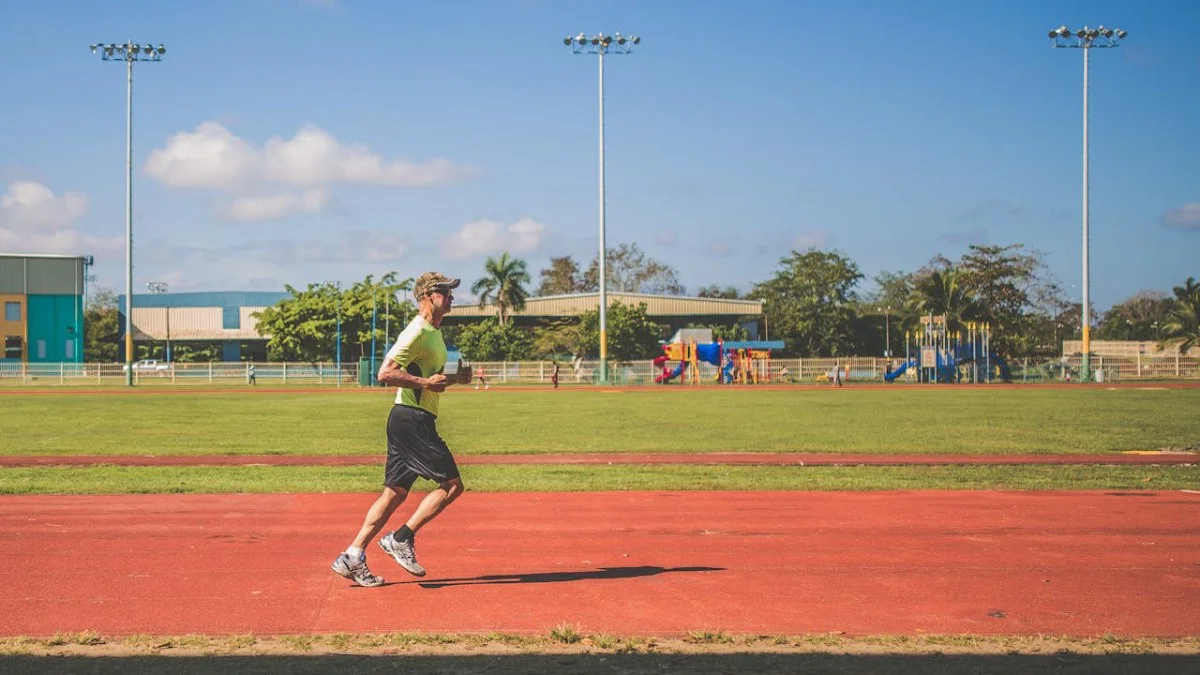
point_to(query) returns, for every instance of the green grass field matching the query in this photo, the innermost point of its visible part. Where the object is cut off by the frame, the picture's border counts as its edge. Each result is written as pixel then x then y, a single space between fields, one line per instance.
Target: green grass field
pixel 108 479
pixel 908 420
pixel 889 421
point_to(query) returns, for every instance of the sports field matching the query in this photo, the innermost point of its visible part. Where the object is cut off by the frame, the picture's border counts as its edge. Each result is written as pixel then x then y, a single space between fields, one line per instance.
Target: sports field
pixel 852 530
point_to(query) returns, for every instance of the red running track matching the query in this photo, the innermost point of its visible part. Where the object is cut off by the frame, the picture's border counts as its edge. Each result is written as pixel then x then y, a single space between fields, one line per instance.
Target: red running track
pixel 646 563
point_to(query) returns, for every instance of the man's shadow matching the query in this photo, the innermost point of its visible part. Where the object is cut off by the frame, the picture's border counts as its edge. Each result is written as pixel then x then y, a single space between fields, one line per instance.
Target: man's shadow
pixel 551 577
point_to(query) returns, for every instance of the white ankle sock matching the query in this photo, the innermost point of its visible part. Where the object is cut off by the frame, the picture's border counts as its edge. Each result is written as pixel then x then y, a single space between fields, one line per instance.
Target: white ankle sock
pixel 356 553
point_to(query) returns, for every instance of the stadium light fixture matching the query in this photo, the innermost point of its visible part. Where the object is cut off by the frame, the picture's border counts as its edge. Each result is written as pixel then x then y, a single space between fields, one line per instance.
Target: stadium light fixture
pixel 602 44
pixel 128 53
pixel 1085 39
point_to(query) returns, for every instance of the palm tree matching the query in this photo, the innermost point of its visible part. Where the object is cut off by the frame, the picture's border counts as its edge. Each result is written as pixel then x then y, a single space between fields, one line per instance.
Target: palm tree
pixel 504 283
pixel 1182 326
pixel 944 292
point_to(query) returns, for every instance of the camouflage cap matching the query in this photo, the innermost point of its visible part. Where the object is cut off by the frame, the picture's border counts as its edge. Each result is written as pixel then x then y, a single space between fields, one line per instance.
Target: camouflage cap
pixel 432 281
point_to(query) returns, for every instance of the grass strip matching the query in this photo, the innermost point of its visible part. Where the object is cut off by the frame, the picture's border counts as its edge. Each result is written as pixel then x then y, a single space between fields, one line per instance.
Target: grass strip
pixel 109 479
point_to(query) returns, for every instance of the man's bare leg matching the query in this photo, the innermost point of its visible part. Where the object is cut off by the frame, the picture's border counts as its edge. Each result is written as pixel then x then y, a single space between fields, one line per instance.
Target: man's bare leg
pixel 434 503
pixel 399 544
pixel 379 513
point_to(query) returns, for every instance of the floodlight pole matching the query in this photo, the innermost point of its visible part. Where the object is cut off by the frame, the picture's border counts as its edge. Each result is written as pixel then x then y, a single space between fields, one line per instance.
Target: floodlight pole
pixel 1085 39
pixel 129 52
pixel 603 246
pixel 601 44
pixel 373 312
pixel 339 333
pixel 887 331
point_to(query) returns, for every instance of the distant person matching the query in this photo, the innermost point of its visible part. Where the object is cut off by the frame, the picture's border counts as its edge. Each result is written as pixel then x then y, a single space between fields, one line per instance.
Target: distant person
pixel 482 377
pixel 554 375
pixel 415 366
pixel 250 376
pixel 837 374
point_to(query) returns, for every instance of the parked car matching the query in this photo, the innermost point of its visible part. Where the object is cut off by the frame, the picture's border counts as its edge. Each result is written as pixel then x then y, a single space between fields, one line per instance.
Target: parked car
pixel 148 366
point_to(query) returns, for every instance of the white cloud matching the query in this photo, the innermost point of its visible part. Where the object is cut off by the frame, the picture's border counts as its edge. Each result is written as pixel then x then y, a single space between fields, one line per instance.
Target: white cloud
pixel 810 239
pixel 209 157
pixel 720 248
pixel 488 237
pixel 34 220
pixel 33 206
pixel 213 157
pixel 1186 217
pixel 247 209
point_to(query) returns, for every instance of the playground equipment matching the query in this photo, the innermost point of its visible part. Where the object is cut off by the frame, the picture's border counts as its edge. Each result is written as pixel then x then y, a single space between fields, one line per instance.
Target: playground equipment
pixel 737 362
pixel 936 354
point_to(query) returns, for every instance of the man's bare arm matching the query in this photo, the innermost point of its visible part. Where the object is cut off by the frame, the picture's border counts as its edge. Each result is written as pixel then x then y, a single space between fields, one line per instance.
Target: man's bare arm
pixel 391 374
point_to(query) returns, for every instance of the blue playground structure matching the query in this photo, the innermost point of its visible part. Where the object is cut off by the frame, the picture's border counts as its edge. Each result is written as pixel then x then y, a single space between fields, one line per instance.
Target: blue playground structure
pixel 937 355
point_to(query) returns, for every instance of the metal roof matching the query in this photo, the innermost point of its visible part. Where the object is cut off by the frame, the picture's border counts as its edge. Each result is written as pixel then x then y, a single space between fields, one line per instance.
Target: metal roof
pixel 41 274
pixel 551 306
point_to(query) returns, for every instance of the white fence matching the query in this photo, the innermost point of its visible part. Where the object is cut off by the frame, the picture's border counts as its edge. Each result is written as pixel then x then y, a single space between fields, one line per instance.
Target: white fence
pixel 307 374
pixel 804 371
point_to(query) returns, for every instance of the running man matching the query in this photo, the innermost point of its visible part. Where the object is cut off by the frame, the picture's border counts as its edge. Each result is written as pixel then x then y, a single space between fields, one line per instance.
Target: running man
pixel 414 364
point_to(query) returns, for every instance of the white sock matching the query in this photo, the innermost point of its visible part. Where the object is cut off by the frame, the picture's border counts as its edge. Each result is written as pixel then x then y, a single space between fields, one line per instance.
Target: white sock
pixel 356 553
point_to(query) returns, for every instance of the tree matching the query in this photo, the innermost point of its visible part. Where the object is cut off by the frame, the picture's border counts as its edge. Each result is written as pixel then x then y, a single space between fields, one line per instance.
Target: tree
pixel 304 327
pixel 808 302
pixel 1182 327
pixel 944 292
pixel 561 278
pixel 503 283
pixel 629 270
pixel 102 328
pixel 725 332
pixel 369 299
pixel 631 335
pixel 196 352
pixel 882 314
pixel 562 337
pixel 1137 318
pixel 1007 283
pixel 490 340
pixel 715 291
pixel 892 289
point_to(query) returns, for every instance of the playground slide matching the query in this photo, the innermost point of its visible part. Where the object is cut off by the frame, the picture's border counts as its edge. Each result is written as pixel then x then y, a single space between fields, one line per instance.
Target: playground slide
pixel 891 377
pixel 727 373
pixel 667 377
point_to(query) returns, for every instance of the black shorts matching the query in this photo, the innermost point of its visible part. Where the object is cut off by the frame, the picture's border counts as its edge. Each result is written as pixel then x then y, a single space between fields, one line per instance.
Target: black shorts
pixel 415 449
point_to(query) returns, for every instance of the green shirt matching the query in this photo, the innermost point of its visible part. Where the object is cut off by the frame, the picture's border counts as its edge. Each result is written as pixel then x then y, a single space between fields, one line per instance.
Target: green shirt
pixel 420 351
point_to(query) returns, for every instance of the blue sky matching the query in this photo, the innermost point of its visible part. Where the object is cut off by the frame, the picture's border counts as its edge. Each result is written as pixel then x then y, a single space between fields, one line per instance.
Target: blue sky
pixel 295 141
